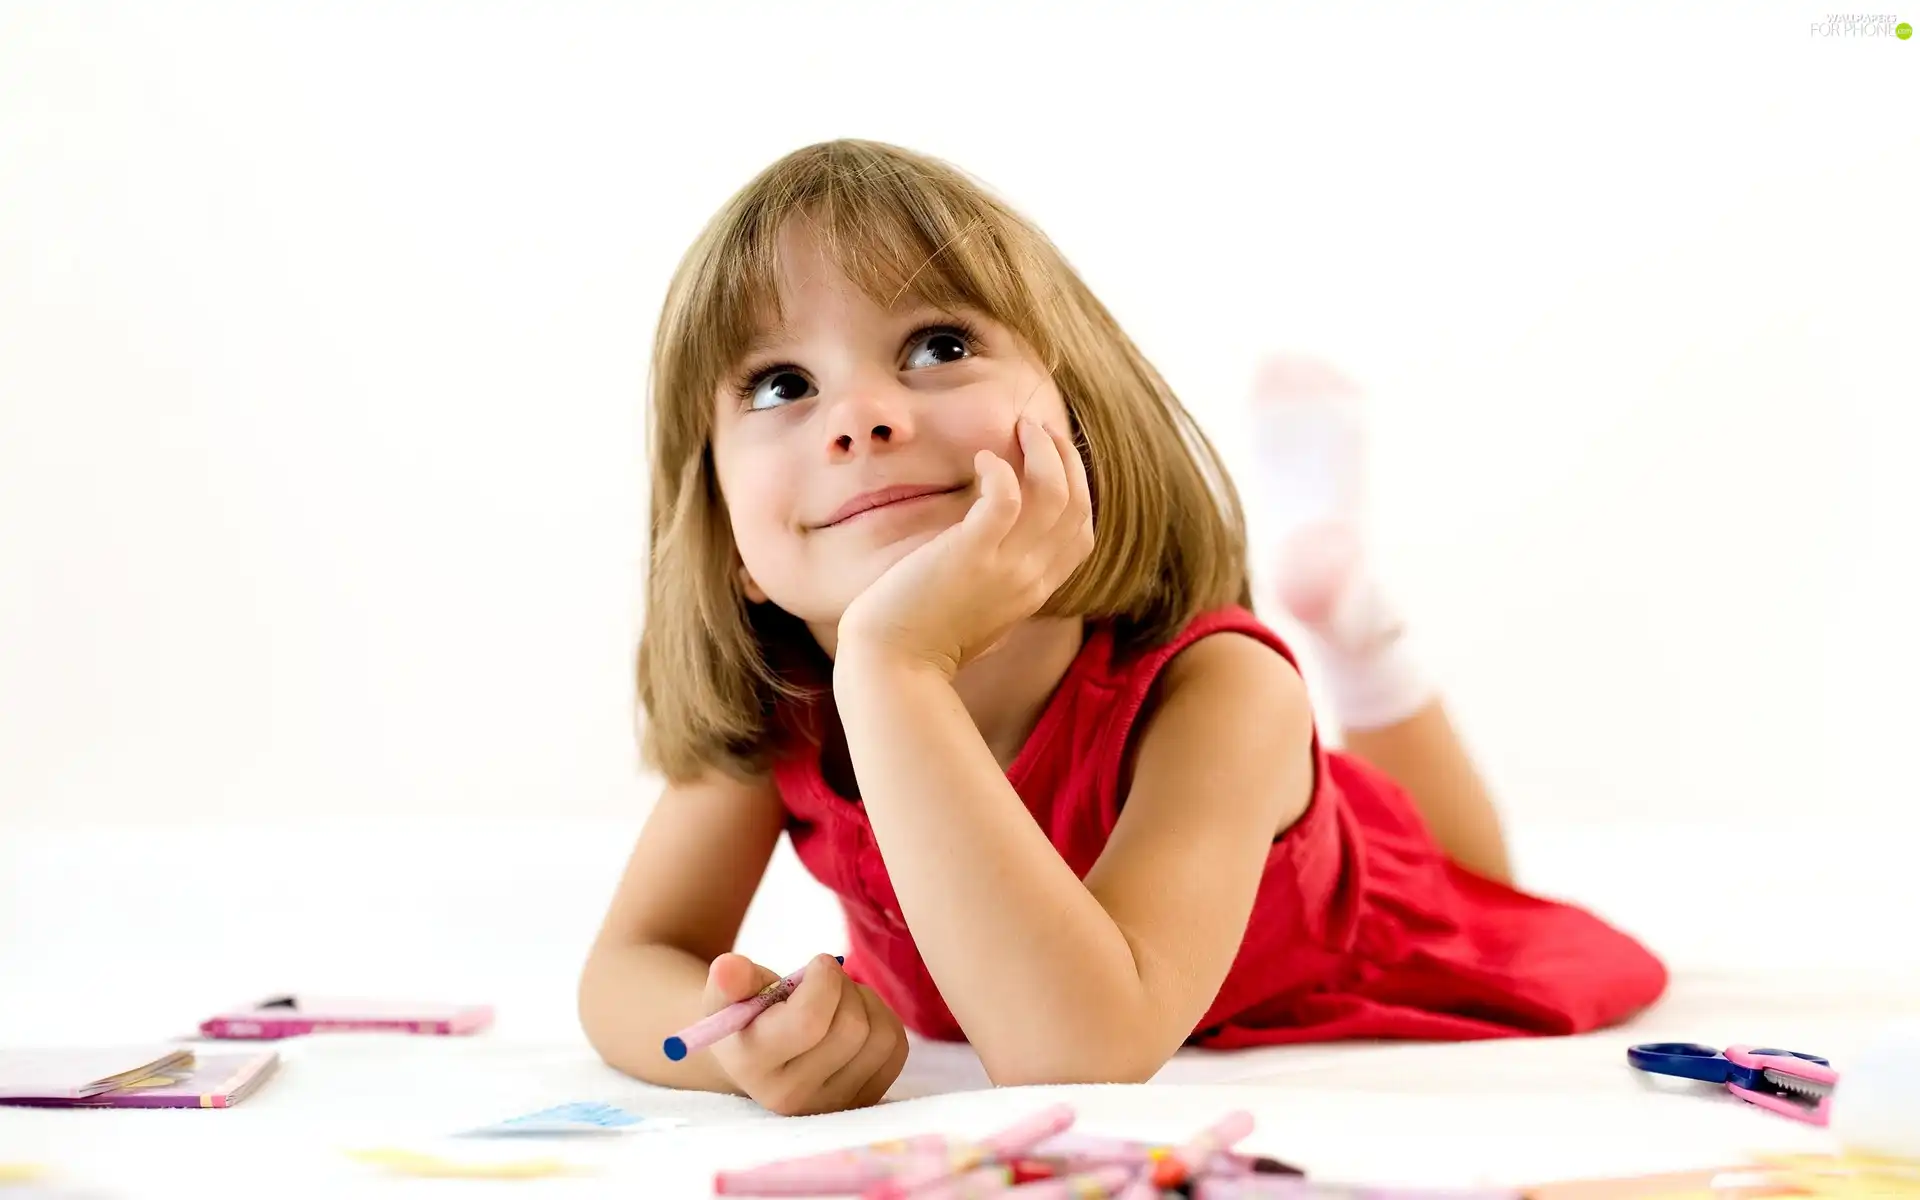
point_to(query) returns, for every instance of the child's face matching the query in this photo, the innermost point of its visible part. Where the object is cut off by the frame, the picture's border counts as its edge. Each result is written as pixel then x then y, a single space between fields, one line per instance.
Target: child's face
pixel 860 406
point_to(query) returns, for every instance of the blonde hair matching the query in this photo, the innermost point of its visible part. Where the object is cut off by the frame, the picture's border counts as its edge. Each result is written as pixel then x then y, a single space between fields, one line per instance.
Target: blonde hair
pixel 1170 540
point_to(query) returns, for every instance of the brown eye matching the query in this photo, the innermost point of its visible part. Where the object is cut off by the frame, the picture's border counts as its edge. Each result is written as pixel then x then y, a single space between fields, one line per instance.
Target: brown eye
pixel 936 346
pixel 778 388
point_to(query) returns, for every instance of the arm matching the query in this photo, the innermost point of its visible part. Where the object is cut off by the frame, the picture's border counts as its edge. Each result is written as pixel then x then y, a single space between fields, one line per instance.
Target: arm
pixel 1053 979
pixel 679 906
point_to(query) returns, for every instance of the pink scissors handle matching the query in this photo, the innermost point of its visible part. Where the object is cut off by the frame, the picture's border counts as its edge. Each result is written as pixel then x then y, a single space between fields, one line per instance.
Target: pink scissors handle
pixel 1810 1101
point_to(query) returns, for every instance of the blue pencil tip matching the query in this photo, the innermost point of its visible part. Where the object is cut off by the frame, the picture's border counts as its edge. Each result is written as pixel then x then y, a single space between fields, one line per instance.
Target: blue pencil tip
pixel 675 1048
pixel 841 959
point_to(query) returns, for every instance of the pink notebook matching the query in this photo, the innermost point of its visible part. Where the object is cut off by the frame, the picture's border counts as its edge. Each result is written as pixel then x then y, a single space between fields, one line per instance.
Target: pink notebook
pixel 203 1081
pixel 293 1016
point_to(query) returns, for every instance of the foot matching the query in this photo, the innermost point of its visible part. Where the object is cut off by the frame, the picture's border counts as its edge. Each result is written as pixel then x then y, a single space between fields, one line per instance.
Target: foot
pixel 1324 584
pixel 1310 452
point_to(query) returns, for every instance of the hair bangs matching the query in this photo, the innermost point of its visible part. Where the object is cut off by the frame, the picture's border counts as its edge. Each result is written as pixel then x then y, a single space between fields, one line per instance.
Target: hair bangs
pixel 901 235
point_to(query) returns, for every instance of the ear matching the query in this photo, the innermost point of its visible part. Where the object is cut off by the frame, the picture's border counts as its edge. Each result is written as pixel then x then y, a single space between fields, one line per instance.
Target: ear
pixel 749 588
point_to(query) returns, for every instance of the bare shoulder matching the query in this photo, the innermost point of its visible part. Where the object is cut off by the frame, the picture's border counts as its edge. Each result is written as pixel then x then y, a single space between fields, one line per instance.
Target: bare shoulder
pixel 1229 662
pixel 1237 681
pixel 1230 707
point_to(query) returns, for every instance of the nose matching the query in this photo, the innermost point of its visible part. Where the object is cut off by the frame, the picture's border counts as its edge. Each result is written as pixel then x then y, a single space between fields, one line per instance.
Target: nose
pixel 866 420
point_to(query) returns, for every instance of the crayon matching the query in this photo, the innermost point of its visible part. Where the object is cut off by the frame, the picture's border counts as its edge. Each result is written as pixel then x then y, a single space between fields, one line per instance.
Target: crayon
pixel 1030 1167
pixel 929 1171
pixel 1084 1150
pixel 841 1171
pixel 1010 1142
pixel 733 1018
pixel 1253 1188
pixel 1176 1168
pixel 1209 1188
pixel 974 1185
pixel 1017 1139
pixel 1092 1185
pixel 1141 1188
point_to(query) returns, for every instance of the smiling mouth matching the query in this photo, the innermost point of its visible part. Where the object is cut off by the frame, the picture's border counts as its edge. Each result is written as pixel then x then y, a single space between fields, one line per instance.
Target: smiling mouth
pixel 885 498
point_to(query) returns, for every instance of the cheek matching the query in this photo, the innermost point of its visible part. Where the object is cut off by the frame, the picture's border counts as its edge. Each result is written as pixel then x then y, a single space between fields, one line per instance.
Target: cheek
pixel 760 497
pixel 978 427
pixel 989 425
pixel 1045 405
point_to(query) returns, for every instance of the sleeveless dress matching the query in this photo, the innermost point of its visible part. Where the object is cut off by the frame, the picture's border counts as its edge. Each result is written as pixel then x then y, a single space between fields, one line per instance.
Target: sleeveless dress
pixel 1362 926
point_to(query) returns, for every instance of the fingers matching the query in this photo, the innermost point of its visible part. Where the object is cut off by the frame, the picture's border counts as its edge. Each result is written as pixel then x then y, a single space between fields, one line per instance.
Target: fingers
pixel 732 978
pixel 1079 488
pixel 997 509
pixel 1074 529
pixel 1043 489
pixel 794 1026
pixel 1034 526
pixel 832 1044
pixel 1047 489
pixel 1055 530
pixel 879 1062
pixel 802 1084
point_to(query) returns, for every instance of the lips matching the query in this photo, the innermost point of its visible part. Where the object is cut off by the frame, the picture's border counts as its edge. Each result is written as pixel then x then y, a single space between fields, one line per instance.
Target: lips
pixel 882 497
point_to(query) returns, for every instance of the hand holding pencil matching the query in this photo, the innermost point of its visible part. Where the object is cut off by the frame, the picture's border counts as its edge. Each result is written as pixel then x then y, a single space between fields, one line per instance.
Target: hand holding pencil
pixel 829 1044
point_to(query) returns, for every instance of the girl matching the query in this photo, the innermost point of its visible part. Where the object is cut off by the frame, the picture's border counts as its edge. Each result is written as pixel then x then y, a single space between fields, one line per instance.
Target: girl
pixel 947 585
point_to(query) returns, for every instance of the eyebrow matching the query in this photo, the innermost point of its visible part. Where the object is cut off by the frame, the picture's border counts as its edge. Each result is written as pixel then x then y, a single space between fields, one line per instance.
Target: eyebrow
pixel 765 340
pixel 775 336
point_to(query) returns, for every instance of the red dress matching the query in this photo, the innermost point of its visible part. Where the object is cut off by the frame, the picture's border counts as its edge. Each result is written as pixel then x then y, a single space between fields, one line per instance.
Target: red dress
pixel 1362 926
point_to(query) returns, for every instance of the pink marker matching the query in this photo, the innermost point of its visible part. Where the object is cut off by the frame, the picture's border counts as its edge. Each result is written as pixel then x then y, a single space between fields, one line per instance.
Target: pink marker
pixel 841 1172
pixel 733 1018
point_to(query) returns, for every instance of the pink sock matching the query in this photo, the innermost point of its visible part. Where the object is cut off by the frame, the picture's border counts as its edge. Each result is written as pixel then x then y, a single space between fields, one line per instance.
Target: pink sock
pixel 1310 483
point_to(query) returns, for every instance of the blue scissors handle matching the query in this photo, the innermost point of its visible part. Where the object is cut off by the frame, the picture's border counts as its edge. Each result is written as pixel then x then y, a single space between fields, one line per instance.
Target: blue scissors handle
pixel 1688 1060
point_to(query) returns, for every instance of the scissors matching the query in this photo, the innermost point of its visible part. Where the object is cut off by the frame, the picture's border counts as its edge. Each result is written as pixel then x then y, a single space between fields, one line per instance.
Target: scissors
pixel 1785 1081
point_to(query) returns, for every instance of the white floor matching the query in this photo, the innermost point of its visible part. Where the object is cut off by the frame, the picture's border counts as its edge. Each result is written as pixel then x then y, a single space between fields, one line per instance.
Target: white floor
pixel 123 937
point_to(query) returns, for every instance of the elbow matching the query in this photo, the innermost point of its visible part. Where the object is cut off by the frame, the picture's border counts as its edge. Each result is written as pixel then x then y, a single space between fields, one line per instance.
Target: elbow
pixel 1063 1063
pixel 1107 1037
pixel 588 1005
pixel 598 1007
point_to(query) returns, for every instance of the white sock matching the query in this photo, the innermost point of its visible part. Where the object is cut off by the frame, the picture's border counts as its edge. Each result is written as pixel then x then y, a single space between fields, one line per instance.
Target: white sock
pixel 1310 456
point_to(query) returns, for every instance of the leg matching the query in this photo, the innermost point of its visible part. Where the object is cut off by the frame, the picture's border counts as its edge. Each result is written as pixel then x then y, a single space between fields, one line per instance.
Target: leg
pixel 1310 449
pixel 1424 755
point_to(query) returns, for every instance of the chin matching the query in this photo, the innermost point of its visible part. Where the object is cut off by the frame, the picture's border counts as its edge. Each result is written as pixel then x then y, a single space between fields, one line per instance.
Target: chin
pixel 883 557
pixel 856 574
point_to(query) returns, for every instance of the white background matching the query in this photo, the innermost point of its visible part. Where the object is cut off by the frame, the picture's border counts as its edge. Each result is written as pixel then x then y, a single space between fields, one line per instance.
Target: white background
pixel 323 339
pixel 324 330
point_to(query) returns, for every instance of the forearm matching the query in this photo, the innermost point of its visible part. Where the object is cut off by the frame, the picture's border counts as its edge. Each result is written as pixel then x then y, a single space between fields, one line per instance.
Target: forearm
pixel 632 998
pixel 1036 972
